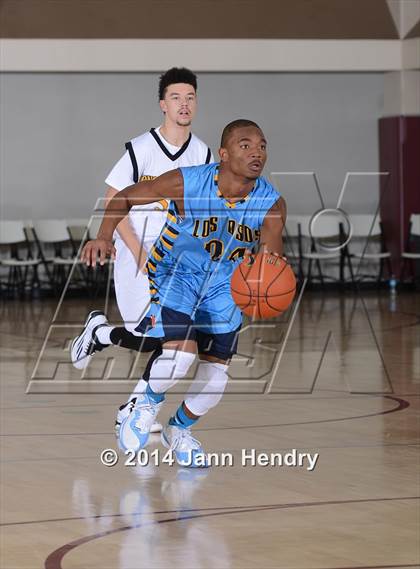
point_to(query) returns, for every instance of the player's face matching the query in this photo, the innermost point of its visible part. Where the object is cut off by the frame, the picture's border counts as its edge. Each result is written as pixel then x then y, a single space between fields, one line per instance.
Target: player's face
pixel 179 104
pixel 246 152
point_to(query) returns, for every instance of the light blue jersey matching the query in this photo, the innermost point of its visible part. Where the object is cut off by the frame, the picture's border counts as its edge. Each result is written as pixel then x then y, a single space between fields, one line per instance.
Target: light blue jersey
pixel 214 233
pixel 192 261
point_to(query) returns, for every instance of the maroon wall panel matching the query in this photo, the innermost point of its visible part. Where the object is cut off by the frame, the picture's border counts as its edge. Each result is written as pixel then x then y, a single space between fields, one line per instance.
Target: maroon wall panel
pixel 399 154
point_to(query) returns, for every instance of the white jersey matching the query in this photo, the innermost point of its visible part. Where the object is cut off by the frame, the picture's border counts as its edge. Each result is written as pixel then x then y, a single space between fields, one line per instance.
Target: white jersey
pixel 148 156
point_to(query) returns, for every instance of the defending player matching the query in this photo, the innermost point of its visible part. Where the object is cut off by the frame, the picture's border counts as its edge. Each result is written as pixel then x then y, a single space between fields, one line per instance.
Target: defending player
pixel 161 149
pixel 216 213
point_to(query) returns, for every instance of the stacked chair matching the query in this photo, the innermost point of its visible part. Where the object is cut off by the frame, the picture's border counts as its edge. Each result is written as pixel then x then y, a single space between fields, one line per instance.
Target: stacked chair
pixel 45 255
pixel 317 248
pixel 411 252
pixel 314 251
pixel 328 251
pixel 18 258
pixel 58 253
pixel 368 247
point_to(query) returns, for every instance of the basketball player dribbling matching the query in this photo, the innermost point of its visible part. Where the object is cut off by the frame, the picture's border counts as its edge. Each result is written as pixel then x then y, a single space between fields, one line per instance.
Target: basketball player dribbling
pixel 217 212
pixel 169 146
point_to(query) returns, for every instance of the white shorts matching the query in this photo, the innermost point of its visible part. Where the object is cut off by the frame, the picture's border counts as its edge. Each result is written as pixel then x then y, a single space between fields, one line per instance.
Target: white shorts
pixel 131 287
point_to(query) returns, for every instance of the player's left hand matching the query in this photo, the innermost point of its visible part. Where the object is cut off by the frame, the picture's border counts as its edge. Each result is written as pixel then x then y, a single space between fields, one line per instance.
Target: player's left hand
pixel 97 248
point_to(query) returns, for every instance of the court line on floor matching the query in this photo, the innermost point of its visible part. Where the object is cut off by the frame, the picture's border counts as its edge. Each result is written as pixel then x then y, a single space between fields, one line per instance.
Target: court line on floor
pixel 402 404
pixel 53 561
pixel 218 508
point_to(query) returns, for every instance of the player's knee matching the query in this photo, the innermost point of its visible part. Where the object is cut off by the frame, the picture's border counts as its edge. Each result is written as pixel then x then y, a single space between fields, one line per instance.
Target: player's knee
pixel 179 361
pixel 169 368
pixel 131 327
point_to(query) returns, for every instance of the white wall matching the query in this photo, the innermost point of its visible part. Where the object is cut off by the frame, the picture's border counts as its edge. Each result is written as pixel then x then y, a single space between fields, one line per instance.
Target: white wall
pixel 61 133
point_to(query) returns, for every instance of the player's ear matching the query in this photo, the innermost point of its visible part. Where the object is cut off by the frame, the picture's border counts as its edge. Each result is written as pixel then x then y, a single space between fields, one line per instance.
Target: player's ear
pixel 224 154
pixel 163 106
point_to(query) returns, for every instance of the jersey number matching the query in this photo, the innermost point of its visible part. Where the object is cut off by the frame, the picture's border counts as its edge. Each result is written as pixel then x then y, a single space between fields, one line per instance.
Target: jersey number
pixel 215 249
pixel 237 253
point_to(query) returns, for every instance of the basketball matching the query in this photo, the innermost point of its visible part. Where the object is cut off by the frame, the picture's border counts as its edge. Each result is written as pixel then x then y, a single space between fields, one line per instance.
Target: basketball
pixel 263 285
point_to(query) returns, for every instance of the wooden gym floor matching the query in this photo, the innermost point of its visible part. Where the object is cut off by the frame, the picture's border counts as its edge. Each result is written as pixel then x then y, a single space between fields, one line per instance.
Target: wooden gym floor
pixel 345 387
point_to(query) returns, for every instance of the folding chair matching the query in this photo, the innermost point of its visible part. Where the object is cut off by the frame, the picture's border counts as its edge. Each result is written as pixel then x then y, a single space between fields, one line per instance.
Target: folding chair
pixel 18 258
pixel 292 242
pixel 410 254
pixel 58 252
pixel 78 233
pixel 322 243
pixel 368 244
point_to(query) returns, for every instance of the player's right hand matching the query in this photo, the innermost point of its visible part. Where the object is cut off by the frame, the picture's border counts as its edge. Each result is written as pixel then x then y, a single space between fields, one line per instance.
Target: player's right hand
pixel 97 248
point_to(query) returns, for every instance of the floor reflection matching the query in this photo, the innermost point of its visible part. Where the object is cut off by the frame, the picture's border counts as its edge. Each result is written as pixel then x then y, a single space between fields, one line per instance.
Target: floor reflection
pixel 158 514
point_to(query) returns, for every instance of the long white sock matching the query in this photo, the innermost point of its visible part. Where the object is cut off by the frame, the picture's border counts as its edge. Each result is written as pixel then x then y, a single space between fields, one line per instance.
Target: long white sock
pixel 168 368
pixel 103 334
pixel 140 388
pixel 207 388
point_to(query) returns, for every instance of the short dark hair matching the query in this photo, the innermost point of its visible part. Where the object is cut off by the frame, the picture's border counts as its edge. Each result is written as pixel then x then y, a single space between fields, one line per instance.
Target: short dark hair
pixel 229 128
pixel 176 75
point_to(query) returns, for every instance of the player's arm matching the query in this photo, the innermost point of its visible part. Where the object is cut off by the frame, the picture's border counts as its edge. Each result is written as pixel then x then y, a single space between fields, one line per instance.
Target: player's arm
pixel 127 234
pixel 169 185
pixel 271 240
pixel 121 176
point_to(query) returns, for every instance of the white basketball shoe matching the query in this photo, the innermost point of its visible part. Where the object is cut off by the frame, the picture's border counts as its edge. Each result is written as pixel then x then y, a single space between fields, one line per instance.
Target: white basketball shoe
pixel 123 413
pixel 135 429
pixel 125 409
pixel 86 344
pixel 188 451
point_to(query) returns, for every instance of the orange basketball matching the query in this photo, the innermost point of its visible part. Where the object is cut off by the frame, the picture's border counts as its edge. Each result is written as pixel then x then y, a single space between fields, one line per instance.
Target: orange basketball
pixel 263 285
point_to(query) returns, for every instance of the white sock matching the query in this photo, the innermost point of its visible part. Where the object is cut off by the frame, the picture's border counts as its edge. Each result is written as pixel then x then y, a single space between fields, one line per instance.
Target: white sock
pixel 207 388
pixel 103 334
pixel 140 388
